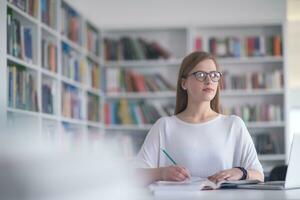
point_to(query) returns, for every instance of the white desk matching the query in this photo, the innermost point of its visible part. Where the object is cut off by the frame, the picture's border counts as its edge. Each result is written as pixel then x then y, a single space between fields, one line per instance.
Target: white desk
pixel 232 194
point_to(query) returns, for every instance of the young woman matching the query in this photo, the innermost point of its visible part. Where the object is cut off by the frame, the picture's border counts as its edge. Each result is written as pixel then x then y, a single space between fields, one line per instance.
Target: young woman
pixel 202 142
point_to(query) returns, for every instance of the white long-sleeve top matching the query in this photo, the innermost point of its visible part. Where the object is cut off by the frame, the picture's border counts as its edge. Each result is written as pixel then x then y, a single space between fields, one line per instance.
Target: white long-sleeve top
pixel 203 148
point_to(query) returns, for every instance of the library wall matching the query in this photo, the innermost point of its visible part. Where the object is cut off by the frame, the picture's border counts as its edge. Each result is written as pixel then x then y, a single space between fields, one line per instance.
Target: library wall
pixel 178 13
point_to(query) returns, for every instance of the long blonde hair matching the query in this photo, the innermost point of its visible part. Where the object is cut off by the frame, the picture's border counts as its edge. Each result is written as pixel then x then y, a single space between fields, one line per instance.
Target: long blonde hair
pixel 187 65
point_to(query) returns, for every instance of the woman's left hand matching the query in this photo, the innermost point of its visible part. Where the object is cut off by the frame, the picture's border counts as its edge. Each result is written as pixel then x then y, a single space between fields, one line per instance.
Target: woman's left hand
pixel 230 174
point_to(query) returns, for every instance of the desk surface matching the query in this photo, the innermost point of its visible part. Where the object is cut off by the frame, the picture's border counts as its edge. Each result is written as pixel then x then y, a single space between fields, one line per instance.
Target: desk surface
pixel 232 194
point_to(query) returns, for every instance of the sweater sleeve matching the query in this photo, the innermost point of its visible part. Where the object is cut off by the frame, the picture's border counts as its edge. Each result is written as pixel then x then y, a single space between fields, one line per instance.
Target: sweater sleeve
pixel 148 156
pixel 247 155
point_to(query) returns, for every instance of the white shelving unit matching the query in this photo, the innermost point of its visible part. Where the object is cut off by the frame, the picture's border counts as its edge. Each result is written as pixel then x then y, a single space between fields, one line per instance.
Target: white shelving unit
pixel 50 124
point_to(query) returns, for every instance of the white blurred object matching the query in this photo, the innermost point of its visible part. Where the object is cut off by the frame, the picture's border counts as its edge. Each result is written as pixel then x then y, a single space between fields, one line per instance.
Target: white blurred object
pixel 34 169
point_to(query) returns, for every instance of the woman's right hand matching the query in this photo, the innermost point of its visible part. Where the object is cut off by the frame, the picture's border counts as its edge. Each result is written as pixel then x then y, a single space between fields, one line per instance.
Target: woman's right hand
pixel 174 173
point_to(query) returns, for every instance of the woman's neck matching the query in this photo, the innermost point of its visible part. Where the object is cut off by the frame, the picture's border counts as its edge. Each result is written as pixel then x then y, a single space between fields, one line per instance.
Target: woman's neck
pixel 197 112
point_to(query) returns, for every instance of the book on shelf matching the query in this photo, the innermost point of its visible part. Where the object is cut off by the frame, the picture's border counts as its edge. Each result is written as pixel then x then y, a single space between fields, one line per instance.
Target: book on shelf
pixel 124 112
pixel 70 23
pixel 92 39
pixel 252 80
pixel 132 81
pixel 49 55
pixel 19 38
pixel 94 74
pixel 198 44
pixel 256 113
pixel 48 96
pixel 127 48
pixel 73 65
pixel 22 88
pixel 251 46
pixel 71 102
pixel 93 107
pixel 28 6
pixel 197 183
pixel 268 142
pixel 48 12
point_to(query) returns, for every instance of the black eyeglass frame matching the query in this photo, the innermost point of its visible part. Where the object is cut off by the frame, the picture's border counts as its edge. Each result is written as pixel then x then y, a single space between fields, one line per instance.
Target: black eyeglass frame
pixel 206 74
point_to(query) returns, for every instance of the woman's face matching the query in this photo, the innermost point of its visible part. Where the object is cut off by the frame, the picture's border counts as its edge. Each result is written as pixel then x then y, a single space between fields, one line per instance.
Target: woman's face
pixel 203 88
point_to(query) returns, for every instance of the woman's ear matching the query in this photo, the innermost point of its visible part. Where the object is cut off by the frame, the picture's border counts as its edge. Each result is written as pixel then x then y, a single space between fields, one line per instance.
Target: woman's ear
pixel 183 84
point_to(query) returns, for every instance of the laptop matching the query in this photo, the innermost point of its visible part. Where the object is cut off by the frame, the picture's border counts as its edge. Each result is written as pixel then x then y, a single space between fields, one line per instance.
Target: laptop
pixel 292 179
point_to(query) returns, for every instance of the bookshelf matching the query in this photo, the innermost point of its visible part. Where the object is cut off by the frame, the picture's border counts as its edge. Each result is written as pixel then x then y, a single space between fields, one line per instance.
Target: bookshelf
pixel 53 71
pixel 76 73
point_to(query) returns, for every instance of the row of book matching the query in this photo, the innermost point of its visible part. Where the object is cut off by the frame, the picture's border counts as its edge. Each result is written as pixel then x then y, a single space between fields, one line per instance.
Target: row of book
pixel 48 96
pixel 268 143
pixel 252 80
pixel 132 81
pixel 48 8
pixel 71 102
pixel 93 107
pixel 256 113
pixel 242 47
pixel 92 40
pixel 130 112
pixel 49 55
pixel 19 38
pixel 70 23
pixel 127 48
pixel 22 90
pixel 73 66
pixel 94 74
pixel 28 6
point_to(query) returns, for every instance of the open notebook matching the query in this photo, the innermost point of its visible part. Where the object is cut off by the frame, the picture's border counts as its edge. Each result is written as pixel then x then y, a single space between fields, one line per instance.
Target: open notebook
pixel 197 183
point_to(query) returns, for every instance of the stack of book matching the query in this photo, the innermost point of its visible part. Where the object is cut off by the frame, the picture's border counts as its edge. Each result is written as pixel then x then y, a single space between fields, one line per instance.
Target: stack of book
pixel 71 102
pixel 128 48
pixel 93 74
pixel 130 112
pixel 19 38
pixel 48 8
pixel 251 46
pixel 268 143
pixel 131 81
pixel 22 90
pixel 48 96
pixel 73 66
pixel 93 107
pixel 70 23
pixel 92 40
pixel 254 80
pixel 49 55
pixel 256 113
pixel 28 6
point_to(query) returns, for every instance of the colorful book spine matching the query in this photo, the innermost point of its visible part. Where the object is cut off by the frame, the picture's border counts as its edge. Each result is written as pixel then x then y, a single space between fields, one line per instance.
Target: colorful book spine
pixel 92 40
pixel 48 96
pixel 73 66
pixel 71 102
pixel 132 81
pixel 94 74
pixel 49 55
pixel 252 80
pixel 124 112
pixel 19 38
pixel 127 48
pixel 93 107
pixel 252 46
pixel 71 23
pixel 257 112
pixel 22 89
pixel 48 12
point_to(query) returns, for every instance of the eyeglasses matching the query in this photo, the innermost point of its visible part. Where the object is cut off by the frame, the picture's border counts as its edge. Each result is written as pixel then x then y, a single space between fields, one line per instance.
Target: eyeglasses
pixel 201 75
